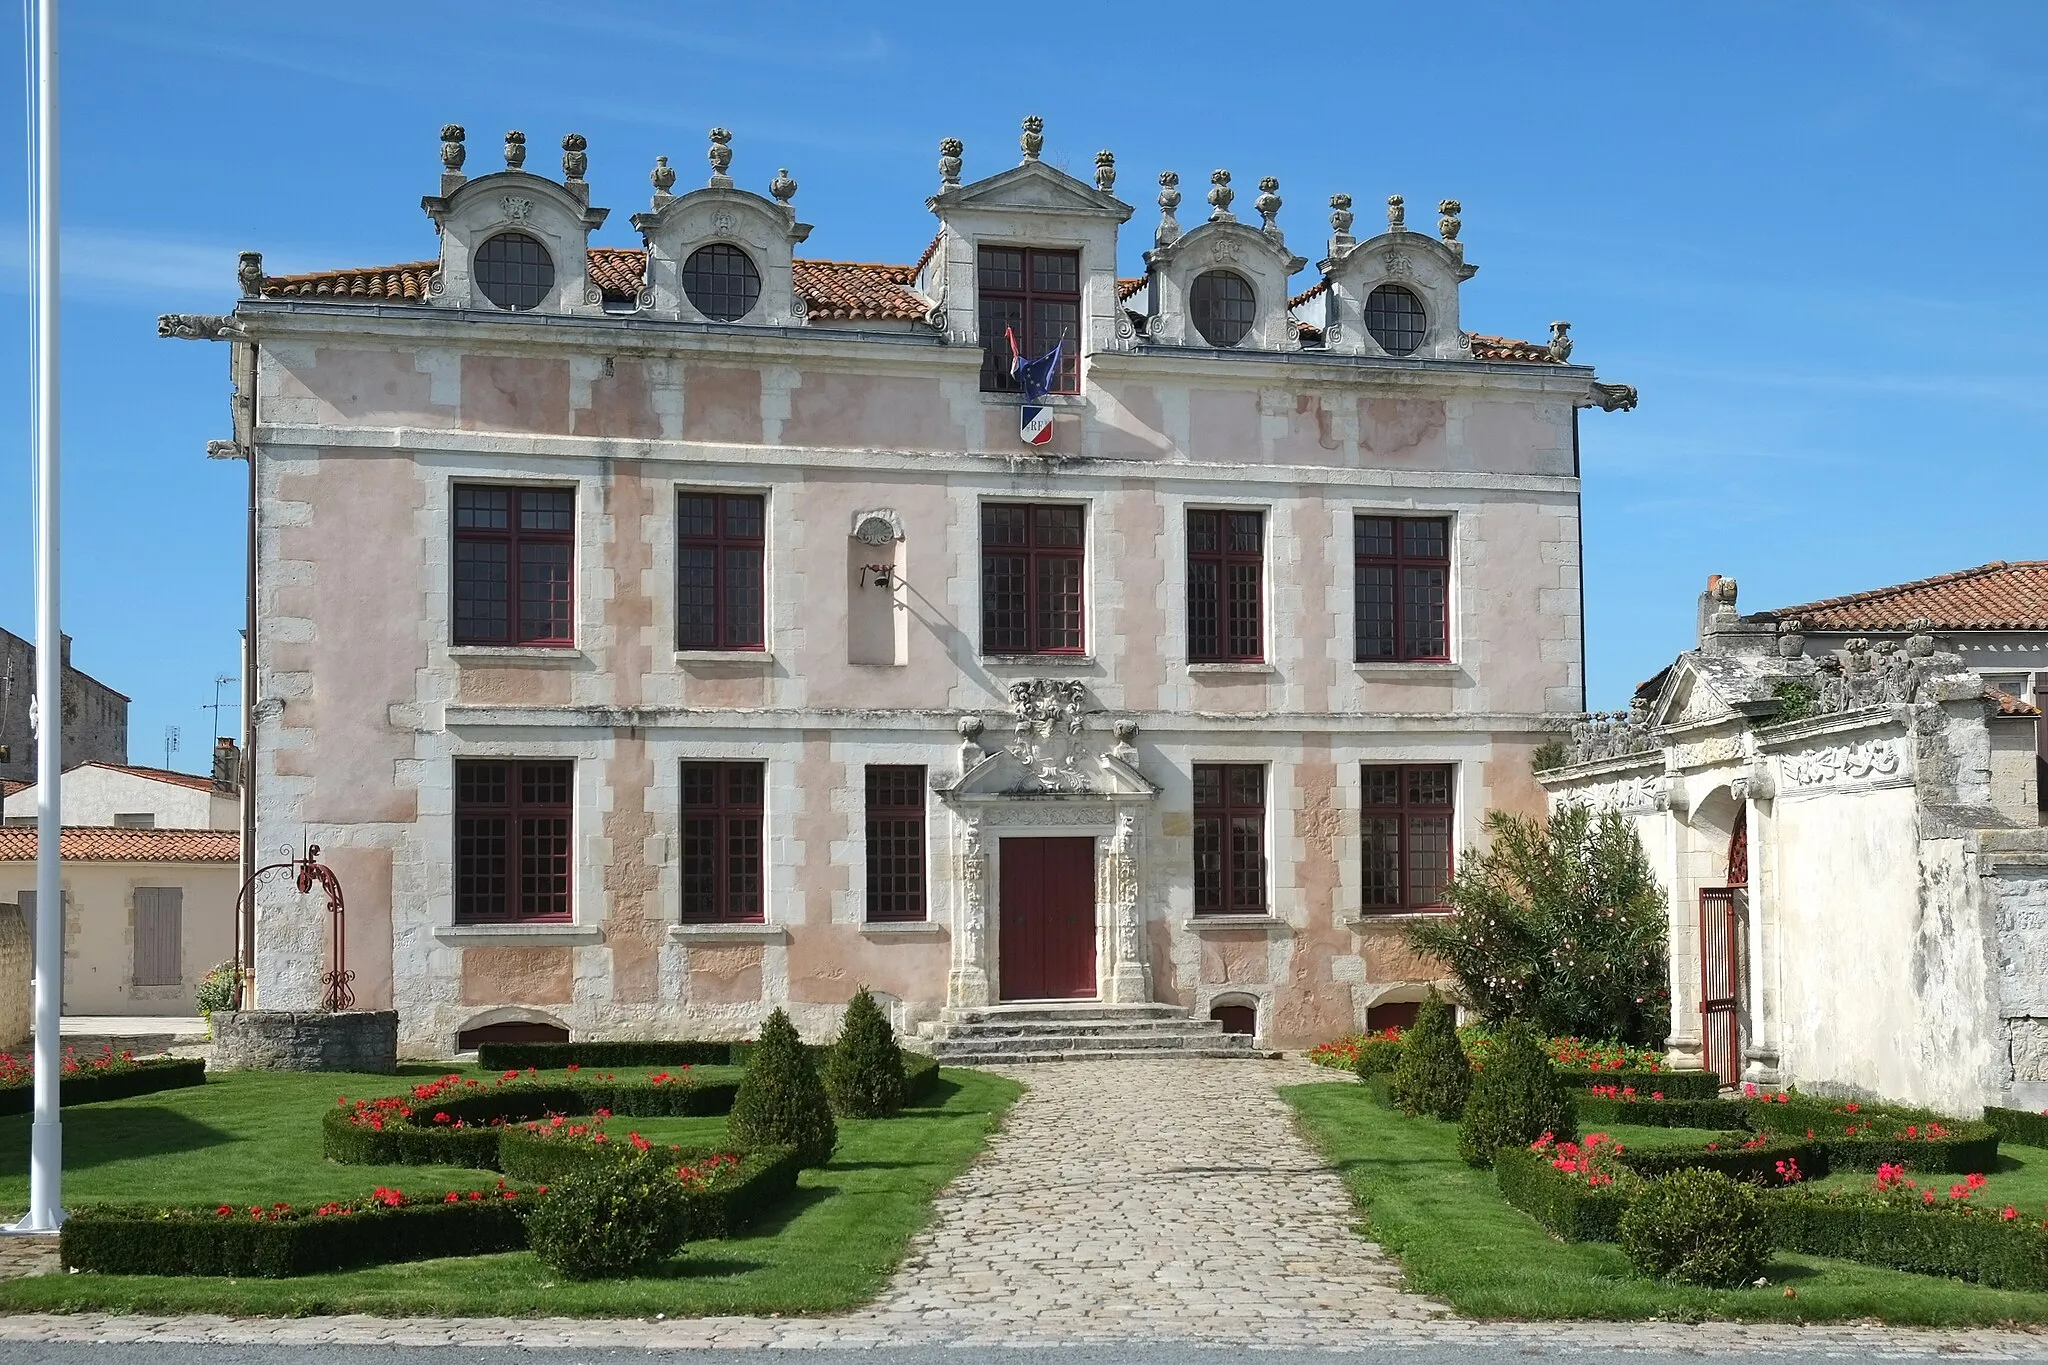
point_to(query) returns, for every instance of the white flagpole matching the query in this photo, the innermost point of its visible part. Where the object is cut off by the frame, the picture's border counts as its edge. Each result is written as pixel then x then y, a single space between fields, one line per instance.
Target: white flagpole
pixel 46 1147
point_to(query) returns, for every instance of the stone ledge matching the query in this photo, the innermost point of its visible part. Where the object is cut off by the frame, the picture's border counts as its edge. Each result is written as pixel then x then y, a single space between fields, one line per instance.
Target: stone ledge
pixel 1198 923
pixel 730 933
pixel 560 655
pixel 523 935
pixel 760 657
pixel 903 929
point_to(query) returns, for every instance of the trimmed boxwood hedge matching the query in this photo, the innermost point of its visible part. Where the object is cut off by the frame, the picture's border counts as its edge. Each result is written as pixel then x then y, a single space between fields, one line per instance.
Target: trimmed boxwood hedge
pixel 419 1141
pixel 2023 1126
pixel 597 1052
pixel 920 1077
pixel 1595 1110
pixel 1565 1205
pixel 138 1240
pixel 1970 1144
pixel 91 1087
pixel 1977 1246
pixel 730 1200
pixel 1731 1158
pixel 1675 1085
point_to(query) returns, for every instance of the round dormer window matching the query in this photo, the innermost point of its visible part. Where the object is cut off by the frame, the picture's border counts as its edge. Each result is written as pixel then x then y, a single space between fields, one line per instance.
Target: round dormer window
pixel 1223 307
pixel 1394 317
pixel 722 282
pixel 514 271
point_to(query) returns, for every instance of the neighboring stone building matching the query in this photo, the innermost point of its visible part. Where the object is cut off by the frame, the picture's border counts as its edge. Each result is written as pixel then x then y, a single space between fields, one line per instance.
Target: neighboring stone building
pixel 651 636
pixel 150 877
pixel 1851 843
pixel 95 715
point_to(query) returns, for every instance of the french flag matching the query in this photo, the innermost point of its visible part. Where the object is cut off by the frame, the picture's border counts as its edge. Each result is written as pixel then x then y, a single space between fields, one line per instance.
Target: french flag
pixel 1036 378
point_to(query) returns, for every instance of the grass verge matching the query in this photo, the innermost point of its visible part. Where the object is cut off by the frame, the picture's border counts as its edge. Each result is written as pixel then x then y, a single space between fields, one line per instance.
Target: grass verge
pixel 250 1136
pixel 1460 1242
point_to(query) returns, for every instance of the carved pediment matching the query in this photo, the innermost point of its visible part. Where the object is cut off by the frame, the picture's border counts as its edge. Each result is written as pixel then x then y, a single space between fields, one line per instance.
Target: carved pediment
pixel 1033 186
pixel 1052 752
pixel 1688 698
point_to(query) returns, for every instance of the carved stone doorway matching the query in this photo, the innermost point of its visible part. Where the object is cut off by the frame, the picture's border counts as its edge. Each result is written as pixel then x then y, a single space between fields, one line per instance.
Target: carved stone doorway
pixel 1046 918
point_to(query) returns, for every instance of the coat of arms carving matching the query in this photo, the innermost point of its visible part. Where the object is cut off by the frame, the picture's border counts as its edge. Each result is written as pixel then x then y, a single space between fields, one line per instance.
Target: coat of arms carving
pixel 1048 732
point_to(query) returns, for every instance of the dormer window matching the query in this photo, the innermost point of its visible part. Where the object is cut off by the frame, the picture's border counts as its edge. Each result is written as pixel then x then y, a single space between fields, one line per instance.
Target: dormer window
pixel 514 271
pixel 721 282
pixel 1395 318
pixel 1223 306
pixel 1035 296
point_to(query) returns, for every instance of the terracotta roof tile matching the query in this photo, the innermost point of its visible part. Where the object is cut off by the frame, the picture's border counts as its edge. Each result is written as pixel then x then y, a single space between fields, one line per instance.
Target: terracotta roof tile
pixel 175 778
pixel 859 290
pixel 104 844
pixel 1126 288
pixel 8 786
pixel 2008 704
pixel 1507 348
pixel 1994 596
pixel 406 282
pixel 1319 287
pixel 929 248
pixel 618 271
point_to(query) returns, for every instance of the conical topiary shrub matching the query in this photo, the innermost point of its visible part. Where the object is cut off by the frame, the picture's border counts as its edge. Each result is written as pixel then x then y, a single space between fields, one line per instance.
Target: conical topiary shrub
pixel 1517 1097
pixel 781 1101
pixel 1433 1076
pixel 864 1074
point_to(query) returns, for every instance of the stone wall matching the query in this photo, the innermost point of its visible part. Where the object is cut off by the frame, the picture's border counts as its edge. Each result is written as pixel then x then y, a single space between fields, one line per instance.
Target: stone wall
pixel 17 977
pixel 310 1040
pixel 95 715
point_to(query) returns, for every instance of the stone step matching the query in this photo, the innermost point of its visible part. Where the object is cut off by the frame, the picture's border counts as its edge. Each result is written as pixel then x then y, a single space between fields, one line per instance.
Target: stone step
pixel 1101 1055
pixel 1058 1010
pixel 1095 1028
pixel 1075 1042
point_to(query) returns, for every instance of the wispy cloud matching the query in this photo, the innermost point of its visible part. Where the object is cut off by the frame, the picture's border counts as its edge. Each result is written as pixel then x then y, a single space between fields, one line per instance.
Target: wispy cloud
pixel 1940 54
pixel 111 265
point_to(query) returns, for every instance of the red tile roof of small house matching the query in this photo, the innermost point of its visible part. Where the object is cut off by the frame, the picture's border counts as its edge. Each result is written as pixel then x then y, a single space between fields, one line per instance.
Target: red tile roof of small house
pixel 1994 596
pixel 2008 704
pixel 107 844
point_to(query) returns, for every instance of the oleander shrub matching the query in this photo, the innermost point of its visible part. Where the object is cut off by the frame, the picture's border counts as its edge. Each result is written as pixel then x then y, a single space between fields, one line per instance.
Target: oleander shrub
pixel 1516 1098
pixel 782 1101
pixel 864 1072
pixel 608 1219
pixel 1696 1227
pixel 1433 1076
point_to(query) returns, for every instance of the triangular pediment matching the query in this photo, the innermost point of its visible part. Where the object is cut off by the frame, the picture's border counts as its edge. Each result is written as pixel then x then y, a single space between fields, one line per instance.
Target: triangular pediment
pixel 1033 187
pixel 1689 697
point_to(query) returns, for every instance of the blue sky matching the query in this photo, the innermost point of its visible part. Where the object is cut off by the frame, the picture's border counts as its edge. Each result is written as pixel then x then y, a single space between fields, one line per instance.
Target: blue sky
pixel 1810 234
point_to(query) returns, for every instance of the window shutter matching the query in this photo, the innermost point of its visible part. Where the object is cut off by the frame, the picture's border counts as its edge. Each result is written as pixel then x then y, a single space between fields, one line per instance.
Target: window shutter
pixel 159 935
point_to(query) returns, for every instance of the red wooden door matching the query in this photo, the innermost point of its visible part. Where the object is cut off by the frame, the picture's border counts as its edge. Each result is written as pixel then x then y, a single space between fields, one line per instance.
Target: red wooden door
pixel 1721 941
pixel 1046 925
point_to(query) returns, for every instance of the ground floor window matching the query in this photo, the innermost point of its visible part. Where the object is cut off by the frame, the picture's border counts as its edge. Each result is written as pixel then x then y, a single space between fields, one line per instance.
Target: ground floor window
pixel 720 842
pixel 1406 834
pixel 512 839
pixel 1230 839
pixel 895 842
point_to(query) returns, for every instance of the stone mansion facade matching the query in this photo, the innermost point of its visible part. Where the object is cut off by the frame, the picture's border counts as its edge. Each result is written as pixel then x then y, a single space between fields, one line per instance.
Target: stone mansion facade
pixel 651 636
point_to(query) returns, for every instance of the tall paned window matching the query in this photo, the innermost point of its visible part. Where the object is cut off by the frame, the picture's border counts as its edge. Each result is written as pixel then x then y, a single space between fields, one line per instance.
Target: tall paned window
pixel 1406 824
pixel 512 839
pixel 1226 566
pixel 1230 839
pixel 721 564
pixel 1036 297
pixel 514 570
pixel 1033 563
pixel 1403 576
pixel 895 811
pixel 721 842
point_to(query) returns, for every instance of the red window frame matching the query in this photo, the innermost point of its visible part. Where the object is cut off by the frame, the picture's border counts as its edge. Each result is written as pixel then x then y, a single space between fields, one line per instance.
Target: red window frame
pixel 721 571
pixel 513 579
pixel 895 843
pixel 1037 295
pixel 1230 838
pixel 1402 579
pixel 1034 575
pixel 513 857
pixel 1226 586
pixel 721 858
pixel 1407 822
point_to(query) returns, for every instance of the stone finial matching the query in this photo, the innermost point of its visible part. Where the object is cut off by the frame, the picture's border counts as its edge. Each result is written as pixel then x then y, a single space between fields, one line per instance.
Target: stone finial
pixel 1560 347
pixel 1791 638
pixel 453 153
pixel 1268 204
pixel 575 156
pixel 1397 213
pixel 1448 222
pixel 663 178
pixel 1220 195
pixel 1033 140
pixel 1105 171
pixel 782 187
pixel 720 157
pixel 515 150
pixel 249 273
pixel 1920 644
pixel 951 149
pixel 1169 200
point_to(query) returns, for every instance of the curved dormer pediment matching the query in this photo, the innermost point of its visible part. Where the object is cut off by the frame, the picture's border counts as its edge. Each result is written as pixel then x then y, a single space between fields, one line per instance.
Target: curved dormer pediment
pixel 1395 294
pixel 1223 283
pixel 512 240
pixel 722 254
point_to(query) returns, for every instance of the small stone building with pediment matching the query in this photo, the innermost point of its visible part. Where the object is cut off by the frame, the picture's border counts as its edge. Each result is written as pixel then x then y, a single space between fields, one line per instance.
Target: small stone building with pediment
pixel 655 632
pixel 1848 831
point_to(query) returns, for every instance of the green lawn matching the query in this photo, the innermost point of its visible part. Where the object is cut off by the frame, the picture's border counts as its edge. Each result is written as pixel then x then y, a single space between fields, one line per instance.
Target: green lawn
pixel 255 1136
pixel 1461 1242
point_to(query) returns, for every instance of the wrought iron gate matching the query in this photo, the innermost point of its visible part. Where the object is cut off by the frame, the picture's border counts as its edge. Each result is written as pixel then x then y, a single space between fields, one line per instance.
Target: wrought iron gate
pixel 1723 931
